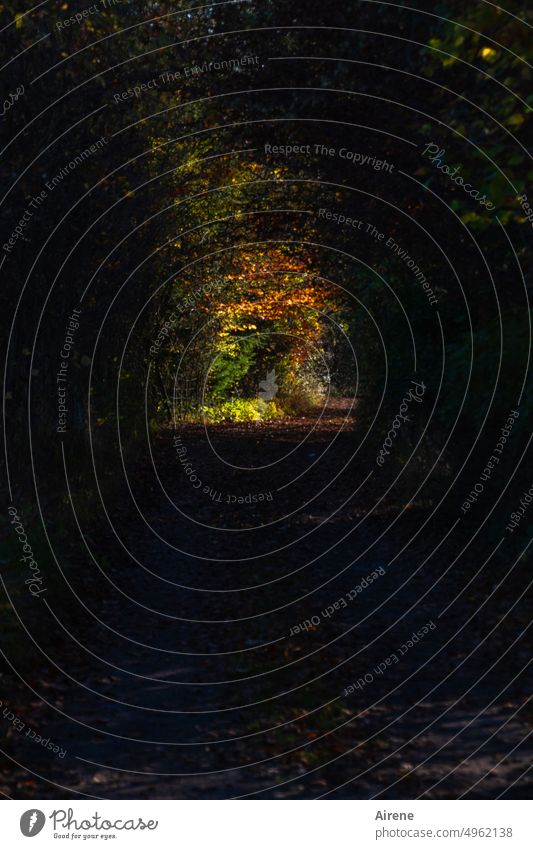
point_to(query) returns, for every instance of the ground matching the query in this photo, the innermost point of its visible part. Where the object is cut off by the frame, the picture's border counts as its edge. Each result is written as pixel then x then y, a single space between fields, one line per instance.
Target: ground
pixel 191 668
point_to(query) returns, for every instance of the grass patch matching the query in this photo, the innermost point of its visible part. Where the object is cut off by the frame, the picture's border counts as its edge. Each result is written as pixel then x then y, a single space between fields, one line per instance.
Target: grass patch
pixel 243 410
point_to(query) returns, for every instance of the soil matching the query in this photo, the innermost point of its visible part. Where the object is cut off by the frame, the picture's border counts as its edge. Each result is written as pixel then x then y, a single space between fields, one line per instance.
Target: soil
pixel 253 636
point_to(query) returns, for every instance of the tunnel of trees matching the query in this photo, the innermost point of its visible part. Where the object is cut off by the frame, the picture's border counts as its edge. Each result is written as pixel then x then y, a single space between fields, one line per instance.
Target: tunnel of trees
pixel 228 217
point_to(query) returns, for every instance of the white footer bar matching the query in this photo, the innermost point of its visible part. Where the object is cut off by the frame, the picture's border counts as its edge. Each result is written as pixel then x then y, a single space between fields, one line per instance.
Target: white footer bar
pixel 268 824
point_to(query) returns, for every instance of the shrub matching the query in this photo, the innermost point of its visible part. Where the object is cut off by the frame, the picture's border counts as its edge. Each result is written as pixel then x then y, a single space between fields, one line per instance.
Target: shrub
pixel 242 410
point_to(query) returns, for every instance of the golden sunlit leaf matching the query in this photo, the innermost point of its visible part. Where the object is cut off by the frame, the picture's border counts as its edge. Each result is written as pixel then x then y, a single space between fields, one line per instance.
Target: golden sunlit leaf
pixel 488 53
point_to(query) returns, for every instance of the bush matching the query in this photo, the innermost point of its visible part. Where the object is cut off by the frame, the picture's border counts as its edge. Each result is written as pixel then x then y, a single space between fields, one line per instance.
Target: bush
pixel 242 410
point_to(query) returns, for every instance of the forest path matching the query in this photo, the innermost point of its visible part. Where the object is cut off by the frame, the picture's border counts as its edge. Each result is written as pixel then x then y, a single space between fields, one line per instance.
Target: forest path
pixel 202 683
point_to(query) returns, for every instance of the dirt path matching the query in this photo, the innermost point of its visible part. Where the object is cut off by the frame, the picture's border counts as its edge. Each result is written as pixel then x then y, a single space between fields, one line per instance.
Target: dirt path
pixel 219 661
